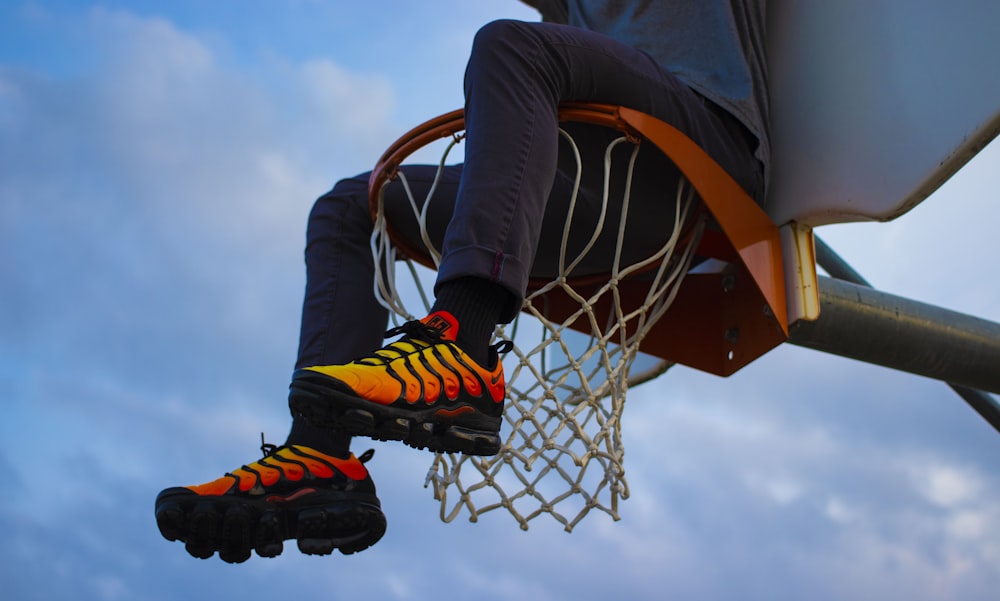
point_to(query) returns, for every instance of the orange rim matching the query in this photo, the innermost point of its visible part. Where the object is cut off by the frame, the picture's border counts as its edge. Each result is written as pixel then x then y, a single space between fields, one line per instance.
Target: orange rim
pixel 452 125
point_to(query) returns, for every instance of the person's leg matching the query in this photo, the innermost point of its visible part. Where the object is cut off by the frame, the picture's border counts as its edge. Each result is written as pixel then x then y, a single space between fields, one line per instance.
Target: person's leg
pixel 427 364
pixel 431 389
pixel 340 318
pixel 312 488
pixel 517 75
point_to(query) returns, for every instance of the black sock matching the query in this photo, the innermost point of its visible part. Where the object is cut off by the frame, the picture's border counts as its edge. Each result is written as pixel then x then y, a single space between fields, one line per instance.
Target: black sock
pixel 323 440
pixel 476 303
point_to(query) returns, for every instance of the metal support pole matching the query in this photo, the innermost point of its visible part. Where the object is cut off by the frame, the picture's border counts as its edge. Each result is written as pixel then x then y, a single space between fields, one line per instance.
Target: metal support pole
pixel 859 322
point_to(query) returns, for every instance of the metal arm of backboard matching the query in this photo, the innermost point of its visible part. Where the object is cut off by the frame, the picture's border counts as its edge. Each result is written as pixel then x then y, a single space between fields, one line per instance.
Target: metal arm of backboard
pixel 862 323
pixel 982 402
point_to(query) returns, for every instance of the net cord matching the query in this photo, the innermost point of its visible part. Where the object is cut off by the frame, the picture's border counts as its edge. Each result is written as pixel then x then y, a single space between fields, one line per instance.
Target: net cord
pixel 566 421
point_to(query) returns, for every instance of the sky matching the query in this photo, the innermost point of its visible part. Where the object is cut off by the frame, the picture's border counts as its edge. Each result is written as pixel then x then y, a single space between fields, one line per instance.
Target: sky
pixel 157 164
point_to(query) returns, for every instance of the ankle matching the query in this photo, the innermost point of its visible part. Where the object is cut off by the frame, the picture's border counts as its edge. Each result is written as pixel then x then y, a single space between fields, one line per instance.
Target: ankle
pixel 320 439
pixel 476 304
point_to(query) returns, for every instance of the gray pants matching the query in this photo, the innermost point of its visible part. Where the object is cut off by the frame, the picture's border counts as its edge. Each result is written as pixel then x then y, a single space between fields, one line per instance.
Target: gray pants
pixel 500 215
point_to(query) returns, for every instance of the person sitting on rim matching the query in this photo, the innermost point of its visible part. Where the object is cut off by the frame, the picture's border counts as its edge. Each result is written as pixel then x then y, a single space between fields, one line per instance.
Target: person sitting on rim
pixel 698 65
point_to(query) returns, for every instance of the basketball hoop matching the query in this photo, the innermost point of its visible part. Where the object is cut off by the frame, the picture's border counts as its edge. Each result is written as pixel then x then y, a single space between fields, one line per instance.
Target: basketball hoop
pixel 575 341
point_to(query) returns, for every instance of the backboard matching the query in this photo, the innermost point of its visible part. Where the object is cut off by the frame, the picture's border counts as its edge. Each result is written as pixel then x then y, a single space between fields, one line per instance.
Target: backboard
pixel 875 104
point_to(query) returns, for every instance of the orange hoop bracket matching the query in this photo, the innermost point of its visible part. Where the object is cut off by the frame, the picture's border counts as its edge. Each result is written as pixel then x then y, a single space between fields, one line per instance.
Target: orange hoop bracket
pixel 745 302
pixel 719 321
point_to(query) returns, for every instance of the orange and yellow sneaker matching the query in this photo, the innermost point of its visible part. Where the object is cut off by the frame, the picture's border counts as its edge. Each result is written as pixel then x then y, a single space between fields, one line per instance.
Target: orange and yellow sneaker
pixel 294 492
pixel 421 389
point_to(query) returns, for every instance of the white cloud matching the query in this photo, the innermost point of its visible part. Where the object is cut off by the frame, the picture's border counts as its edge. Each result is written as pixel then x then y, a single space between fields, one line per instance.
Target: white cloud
pixel 971 525
pixel 839 511
pixel 165 182
pixel 945 485
pixel 111 588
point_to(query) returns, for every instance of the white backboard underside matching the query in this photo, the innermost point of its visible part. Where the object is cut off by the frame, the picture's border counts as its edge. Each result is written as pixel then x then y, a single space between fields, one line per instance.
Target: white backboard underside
pixel 875 103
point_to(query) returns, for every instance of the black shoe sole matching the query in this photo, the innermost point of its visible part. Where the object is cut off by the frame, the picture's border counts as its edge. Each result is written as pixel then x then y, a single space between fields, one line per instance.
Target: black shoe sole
pixel 234 526
pixel 316 398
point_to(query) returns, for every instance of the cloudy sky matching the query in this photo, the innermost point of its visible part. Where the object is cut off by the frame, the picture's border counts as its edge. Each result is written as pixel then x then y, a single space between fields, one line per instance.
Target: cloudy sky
pixel 157 163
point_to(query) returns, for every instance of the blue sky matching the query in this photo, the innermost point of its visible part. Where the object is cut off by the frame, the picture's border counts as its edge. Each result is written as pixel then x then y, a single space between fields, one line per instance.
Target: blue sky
pixel 157 163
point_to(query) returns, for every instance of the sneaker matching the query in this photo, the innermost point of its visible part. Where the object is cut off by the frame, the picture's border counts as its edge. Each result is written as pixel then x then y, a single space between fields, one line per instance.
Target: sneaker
pixel 294 492
pixel 422 389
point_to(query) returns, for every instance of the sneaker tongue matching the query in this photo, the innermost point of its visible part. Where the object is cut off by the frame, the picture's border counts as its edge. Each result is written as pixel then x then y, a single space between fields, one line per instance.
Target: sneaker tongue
pixel 444 323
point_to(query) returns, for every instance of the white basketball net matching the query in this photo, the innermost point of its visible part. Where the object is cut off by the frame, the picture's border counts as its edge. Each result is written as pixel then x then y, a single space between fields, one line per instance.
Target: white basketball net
pixel 563 452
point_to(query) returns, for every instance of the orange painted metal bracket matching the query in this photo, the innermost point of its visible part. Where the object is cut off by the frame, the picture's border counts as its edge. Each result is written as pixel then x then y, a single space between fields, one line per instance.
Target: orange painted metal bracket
pixel 723 319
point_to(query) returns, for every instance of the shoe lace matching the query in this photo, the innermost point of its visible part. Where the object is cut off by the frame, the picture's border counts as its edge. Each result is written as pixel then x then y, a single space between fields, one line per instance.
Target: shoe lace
pixel 415 329
pixel 503 347
pixel 270 449
pixel 416 335
pixel 266 448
